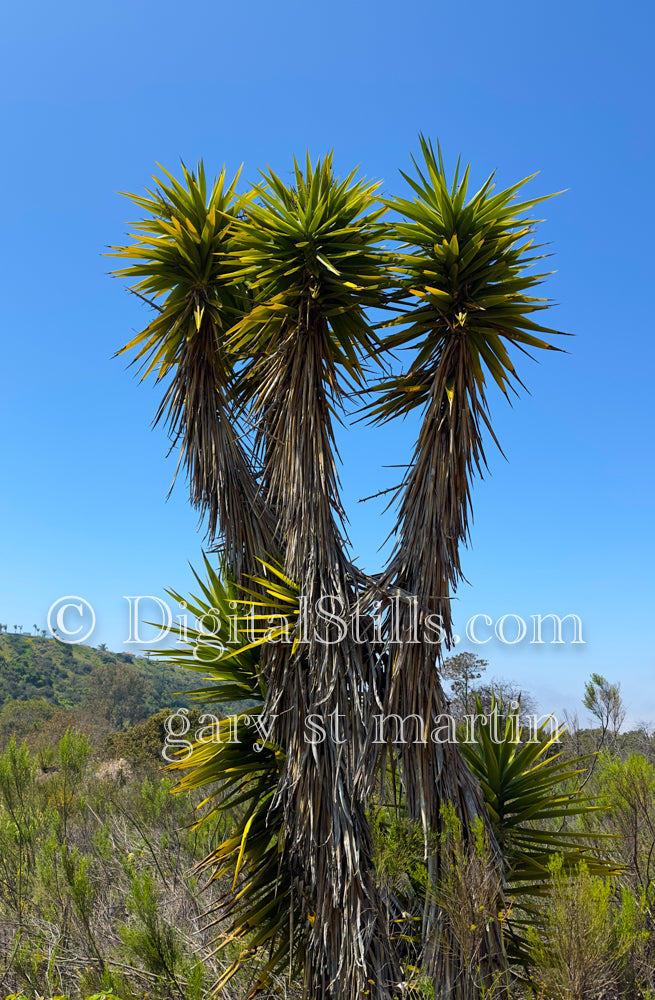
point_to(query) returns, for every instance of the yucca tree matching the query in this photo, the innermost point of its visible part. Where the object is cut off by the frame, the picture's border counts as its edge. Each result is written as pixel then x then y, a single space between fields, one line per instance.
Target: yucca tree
pixel 532 796
pixel 262 332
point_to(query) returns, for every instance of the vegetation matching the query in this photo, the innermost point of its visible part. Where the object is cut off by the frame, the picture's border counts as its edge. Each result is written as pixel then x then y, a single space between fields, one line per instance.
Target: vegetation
pixel 99 893
pixel 456 868
pixel 94 877
pixel 120 688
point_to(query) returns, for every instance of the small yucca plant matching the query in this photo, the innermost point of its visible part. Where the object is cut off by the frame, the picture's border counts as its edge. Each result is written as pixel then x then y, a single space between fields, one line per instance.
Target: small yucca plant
pixel 240 771
pixel 533 797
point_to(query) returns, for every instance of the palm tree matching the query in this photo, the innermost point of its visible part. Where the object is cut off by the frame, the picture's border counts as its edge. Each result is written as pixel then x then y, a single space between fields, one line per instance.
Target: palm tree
pixel 261 333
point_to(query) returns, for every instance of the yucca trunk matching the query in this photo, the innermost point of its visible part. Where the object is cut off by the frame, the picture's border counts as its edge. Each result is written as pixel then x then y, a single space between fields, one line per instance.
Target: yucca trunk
pixel 322 788
pixel 432 523
pixel 310 252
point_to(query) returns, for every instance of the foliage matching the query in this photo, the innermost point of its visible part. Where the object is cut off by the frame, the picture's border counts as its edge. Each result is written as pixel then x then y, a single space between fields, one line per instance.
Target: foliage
pixel 579 951
pixel 94 890
pixel 95 896
pixel 465 273
pixel 141 744
pixel 531 796
pixel 239 769
pixel 506 692
pixel 469 888
pixel 317 237
pixel 46 672
pixel 461 670
pixel 181 251
pixel 604 702
pixel 627 784
pixel 533 800
pixel 118 693
pixel 95 996
pixel 529 788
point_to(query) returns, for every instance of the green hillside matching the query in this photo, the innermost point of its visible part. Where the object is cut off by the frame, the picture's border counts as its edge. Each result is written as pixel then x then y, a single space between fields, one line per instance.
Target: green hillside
pixel 120 686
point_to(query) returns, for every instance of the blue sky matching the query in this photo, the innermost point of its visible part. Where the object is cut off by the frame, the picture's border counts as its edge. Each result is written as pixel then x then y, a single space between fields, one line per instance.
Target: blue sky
pixel 94 95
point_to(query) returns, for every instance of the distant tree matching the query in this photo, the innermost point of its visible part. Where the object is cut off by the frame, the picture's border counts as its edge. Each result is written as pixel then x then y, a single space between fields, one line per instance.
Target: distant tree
pixel 604 702
pixel 103 647
pixel 118 693
pixel 506 693
pixel 461 670
pixel 21 718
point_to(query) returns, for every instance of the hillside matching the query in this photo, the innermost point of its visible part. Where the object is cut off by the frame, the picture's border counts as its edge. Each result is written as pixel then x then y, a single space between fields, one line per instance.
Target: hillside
pixel 72 676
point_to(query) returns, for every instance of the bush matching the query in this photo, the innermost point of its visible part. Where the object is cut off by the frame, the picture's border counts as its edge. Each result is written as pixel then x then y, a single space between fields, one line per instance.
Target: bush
pixel 96 892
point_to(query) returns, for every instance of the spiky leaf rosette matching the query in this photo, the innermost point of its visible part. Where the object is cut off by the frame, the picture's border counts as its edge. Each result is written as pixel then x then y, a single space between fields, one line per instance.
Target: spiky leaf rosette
pixel 309 250
pixel 310 254
pixel 239 768
pixel 179 253
pixel 533 799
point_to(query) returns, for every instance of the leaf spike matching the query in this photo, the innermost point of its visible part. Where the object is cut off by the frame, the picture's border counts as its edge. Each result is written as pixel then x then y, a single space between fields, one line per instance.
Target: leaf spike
pixel 455 177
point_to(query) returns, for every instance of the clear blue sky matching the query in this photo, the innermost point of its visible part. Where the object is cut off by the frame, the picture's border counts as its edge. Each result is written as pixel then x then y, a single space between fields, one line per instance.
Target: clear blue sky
pixel 93 95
